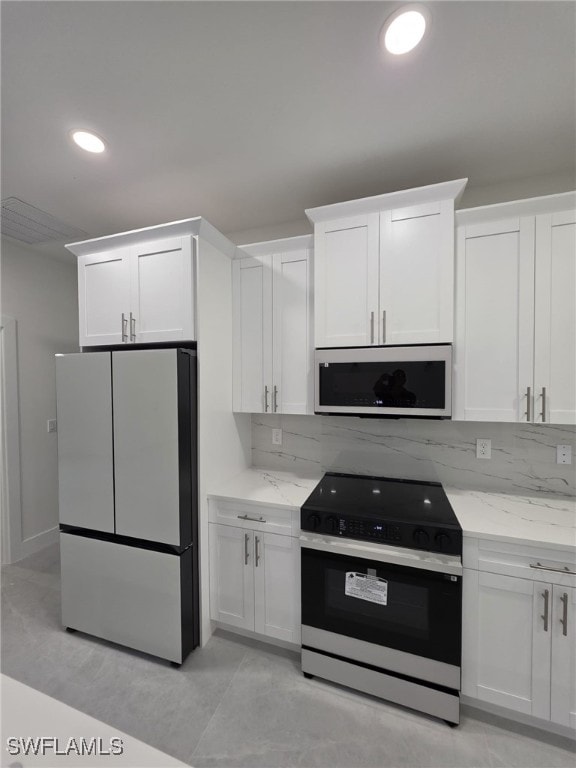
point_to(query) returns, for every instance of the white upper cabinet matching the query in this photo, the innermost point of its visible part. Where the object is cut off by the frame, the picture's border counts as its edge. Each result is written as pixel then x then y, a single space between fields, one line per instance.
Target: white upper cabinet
pixel 515 356
pixel 252 285
pixel 104 297
pixel 140 287
pixel 161 290
pixel 346 290
pixel 272 327
pixel 417 274
pixel 384 268
pixel 555 318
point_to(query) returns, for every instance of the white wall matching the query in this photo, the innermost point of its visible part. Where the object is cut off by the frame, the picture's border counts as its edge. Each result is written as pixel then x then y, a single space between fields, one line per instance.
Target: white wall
pixel 515 189
pixel 40 293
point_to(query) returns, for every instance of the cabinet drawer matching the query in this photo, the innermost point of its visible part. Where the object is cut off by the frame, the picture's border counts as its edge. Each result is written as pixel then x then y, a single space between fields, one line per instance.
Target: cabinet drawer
pixel 255 517
pixel 534 562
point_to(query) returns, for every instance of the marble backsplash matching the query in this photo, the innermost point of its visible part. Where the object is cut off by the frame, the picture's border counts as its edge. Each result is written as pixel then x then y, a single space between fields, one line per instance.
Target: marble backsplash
pixel 523 455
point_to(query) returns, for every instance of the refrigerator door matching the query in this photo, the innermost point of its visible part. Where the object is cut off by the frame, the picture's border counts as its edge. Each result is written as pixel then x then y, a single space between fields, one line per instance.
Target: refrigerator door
pixel 152 445
pixel 130 595
pixel 85 458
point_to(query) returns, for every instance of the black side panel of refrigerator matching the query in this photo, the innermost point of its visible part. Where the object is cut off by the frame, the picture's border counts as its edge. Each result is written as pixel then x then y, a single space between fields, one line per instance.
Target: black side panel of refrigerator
pixel 188 480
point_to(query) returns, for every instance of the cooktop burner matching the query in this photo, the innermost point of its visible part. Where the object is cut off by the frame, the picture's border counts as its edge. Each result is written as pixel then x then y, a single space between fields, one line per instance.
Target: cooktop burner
pixel 407 513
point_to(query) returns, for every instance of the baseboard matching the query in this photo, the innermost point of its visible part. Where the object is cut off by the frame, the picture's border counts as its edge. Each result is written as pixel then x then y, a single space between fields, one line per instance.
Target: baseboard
pixel 559 735
pixel 257 636
pixel 35 543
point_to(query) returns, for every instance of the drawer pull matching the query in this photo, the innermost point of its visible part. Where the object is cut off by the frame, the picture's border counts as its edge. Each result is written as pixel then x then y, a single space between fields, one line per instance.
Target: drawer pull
pixel 564 569
pixel 252 519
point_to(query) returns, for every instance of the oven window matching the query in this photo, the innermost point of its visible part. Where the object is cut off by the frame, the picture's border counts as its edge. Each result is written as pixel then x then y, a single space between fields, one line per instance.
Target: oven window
pixel 405 384
pixel 408 609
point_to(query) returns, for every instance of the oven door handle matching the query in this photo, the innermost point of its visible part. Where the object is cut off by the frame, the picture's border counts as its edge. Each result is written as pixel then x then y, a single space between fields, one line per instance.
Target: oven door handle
pixel 411 558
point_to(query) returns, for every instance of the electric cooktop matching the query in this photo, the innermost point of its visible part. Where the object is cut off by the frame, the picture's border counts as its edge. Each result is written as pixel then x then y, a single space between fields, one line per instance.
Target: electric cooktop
pixel 405 513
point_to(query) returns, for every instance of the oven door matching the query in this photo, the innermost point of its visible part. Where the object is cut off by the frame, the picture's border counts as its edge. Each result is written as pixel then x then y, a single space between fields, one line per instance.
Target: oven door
pixel 410 609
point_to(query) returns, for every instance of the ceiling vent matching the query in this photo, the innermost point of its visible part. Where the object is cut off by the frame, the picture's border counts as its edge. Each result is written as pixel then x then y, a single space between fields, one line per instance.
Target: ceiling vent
pixel 30 225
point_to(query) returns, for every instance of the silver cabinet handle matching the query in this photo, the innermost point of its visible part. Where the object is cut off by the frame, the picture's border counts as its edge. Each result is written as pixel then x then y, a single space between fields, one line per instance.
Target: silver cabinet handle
pixel 564 619
pixel 275 399
pixel 541 567
pixel 124 325
pixel 257 550
pixel 383 326
pixel 252 519
pixel 528 403
pixel 132 327
pixel 371 327
pixel 246 554
pixel 543 414
pixel 265 399
pixel 546 596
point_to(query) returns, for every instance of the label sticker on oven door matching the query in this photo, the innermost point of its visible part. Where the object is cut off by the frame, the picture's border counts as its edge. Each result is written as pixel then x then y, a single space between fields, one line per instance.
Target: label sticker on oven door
pixel 365 587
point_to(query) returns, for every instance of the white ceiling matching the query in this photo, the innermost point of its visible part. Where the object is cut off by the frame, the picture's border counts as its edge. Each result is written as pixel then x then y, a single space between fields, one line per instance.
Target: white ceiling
pixel 247 113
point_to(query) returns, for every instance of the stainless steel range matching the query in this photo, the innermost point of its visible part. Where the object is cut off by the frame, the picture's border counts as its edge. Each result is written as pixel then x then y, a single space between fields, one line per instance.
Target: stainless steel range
pixel 382 590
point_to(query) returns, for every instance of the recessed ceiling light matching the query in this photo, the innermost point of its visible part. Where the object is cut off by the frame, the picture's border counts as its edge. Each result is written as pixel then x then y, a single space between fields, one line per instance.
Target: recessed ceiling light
pixel 88 141
pixel 404 29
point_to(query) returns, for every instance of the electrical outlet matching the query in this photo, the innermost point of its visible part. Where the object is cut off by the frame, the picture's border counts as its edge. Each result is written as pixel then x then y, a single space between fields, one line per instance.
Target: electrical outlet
pixel 276 437
pixel 563 454
pixel 483 448
pixel 51 425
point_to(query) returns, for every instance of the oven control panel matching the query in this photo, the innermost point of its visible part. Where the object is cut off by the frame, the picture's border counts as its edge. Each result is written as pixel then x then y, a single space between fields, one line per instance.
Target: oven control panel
pixel 408 535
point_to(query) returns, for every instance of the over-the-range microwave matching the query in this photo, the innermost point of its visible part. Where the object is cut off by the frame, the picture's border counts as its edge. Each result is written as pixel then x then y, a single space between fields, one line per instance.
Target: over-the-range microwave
pixel 385 381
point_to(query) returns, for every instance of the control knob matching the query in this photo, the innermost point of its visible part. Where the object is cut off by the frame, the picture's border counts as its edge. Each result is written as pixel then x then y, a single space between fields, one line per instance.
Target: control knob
pixel 314 522
pixel 331 524
pixel 421 537
pixel 442 541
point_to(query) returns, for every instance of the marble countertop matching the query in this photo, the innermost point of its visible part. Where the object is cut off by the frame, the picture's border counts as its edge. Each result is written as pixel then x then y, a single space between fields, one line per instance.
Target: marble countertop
pixel 269 487
pixel 506 517
pixel 518 519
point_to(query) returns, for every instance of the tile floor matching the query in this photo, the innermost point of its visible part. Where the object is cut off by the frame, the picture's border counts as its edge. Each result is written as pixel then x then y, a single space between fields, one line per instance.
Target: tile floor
pixel 236 702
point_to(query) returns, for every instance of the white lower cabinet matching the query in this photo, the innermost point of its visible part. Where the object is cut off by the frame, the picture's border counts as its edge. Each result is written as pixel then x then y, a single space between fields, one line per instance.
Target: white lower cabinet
pixel 506 644
pixel 232 576
pixel 519 636
pixel 255 581
pixel 563 669
pixel 277 586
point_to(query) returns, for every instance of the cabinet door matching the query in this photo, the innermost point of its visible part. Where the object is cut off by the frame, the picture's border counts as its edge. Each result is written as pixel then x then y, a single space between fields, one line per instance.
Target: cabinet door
pixel 104 297
pixel 555 321
pixel 146 447
pixel 495 322
pixel 277 586
pixel 231 576
pixel 506 642
pixel 292 344
pixel 85 457
pixel 417 274
pixel 252 283
pixel 346 259
pixel 563 702
pixel 162 291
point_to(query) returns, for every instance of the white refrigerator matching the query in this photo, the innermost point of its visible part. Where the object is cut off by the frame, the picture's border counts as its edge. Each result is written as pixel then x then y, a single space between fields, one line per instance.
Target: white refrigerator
pixel 128 497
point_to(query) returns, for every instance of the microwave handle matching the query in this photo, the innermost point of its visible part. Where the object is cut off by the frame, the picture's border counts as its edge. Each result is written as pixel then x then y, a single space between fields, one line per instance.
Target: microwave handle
pixel 371 327
pixel 383 326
